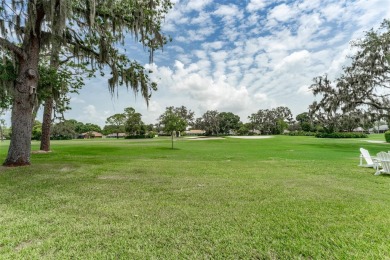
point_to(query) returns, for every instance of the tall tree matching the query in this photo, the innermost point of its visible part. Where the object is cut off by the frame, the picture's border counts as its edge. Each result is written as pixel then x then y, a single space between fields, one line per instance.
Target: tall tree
pixel 182 112
pixel 228 122
pixel 198 124
pixel 172 122
pixel 363 84
pixel 304 121
pixel 133 121
pixel 55 83
pixel 63 131
pixel 185 114
pixel 56 80
pixel 89 127
pixel 117 122
pixel 271 121
pixel 89 30
pixel 211 122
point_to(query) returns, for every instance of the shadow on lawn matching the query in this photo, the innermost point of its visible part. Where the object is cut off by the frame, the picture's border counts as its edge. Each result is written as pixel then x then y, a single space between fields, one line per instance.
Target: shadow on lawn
pixel 168 148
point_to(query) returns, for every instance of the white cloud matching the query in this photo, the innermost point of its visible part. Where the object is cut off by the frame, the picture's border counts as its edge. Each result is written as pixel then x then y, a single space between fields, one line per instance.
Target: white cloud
pixel 198 5
pixel 216 45
pixel 294 61
pixel 282 13
pixel 199 35
pixel 333 11
pixel 202 19
pixel 77 100
pixel 256 5
pixel 91 115
pixel 309 5
pixel 230 14
pixel 305 90
pixel 226 10
pixel 207 92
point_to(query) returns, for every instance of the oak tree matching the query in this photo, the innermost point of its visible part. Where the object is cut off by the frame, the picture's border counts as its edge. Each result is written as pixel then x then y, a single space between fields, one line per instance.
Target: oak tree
pixel 90 31
pixel 363 85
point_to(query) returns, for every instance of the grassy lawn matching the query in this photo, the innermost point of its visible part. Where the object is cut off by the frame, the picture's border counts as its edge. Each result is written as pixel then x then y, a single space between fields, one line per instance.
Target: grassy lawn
pixel 283 197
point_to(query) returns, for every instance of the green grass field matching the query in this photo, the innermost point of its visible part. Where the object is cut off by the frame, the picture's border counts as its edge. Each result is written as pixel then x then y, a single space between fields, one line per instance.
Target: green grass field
pixel 279 198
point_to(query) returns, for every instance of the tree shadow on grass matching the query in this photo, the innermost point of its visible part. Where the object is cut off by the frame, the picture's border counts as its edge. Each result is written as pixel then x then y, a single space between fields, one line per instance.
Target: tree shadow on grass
pixel 383 175
pixel 168 148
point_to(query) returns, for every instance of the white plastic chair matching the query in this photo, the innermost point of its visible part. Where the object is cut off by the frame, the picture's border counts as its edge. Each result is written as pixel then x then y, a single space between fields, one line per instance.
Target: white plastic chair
pixel 384 160
pixel 371 162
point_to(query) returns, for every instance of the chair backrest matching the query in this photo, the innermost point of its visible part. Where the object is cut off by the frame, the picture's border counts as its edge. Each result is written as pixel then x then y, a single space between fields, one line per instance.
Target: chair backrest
pixel 384 159
pixel 366 155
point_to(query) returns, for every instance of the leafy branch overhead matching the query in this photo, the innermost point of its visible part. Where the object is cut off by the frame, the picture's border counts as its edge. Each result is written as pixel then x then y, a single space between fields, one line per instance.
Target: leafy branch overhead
pixel 90 31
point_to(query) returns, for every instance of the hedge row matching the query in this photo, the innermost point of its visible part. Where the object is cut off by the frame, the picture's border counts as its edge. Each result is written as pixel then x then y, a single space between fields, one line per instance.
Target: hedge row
pixel 150 135
pixel 301 133
pixel 341 135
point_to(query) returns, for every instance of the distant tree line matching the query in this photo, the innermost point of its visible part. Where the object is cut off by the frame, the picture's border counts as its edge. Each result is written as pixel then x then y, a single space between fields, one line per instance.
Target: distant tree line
pixel 174 121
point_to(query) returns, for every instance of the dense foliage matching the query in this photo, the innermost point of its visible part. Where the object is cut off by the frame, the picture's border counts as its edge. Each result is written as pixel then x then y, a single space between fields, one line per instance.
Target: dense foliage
pixel 301 133
pixel 387 136
pixel 362 91
pixel 341 135
pixel 83 32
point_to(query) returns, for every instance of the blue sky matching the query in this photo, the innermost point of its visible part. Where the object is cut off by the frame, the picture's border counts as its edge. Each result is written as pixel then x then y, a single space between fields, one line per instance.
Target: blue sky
pixel 240 56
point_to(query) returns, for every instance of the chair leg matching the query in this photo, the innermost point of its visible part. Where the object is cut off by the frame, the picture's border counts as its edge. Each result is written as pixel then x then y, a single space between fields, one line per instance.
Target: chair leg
pixel 377 172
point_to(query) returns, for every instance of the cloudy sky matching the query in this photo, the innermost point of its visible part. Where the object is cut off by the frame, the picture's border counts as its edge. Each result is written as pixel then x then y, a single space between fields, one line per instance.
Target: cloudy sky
pixel 240 56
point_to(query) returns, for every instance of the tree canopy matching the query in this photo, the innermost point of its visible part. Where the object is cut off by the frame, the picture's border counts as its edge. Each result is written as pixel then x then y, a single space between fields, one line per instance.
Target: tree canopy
pixel 116 124
pixel 172 121
pixel 271 121
pixel 83 31
pixel 364 85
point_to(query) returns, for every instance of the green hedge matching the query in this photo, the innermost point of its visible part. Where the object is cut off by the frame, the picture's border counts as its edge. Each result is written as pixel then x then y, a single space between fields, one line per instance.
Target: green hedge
pixel 341 135
pixel 140 136
pixel 301 133
pixel 387 136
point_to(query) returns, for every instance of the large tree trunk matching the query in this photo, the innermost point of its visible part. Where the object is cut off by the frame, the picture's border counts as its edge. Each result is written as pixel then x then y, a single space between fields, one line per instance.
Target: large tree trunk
pixel 46 124
pixel 23 104
pixel 48 110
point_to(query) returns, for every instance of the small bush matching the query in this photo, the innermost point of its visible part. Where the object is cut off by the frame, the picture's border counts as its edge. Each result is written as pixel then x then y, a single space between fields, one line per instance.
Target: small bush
pixel 387 136
pixel 61 137
pixel 151 134
pixel 340 135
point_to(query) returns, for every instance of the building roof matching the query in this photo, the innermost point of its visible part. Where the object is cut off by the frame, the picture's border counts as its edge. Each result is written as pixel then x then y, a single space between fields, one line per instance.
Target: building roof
pixel 195 131
pixel 380 128
pixel 96 134
pixel 115 135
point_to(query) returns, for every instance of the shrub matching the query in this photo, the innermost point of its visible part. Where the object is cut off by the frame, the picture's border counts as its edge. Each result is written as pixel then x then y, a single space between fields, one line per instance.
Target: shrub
pixel 61 137
pixel 150 135
pixel 387 136
pixel 301 133
pixel 340 135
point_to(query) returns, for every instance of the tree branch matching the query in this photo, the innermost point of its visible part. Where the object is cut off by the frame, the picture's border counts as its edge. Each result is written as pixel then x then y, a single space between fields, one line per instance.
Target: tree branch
pixel 13 48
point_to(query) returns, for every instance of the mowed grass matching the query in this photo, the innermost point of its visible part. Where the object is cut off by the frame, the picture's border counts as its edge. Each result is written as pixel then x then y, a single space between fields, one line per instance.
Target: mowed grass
pixel 279 198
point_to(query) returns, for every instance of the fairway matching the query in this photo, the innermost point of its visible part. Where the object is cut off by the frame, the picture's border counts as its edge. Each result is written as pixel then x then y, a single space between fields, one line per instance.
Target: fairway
pixel 276 198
